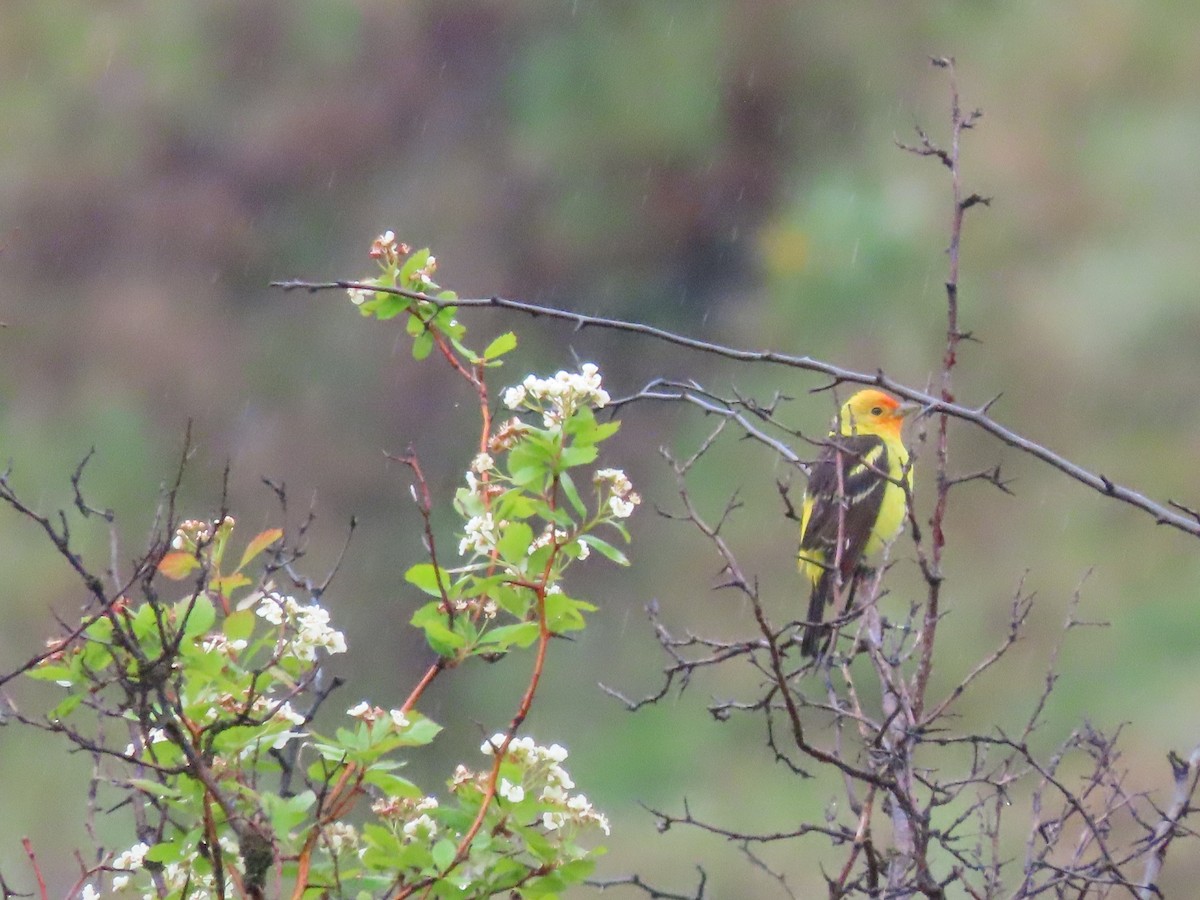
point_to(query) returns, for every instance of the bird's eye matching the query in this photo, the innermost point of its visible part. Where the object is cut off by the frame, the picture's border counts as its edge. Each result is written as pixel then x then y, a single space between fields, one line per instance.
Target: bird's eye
pixel 877 410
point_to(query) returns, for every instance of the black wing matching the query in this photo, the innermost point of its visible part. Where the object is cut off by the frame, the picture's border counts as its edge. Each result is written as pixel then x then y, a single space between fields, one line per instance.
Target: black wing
pixel 862 460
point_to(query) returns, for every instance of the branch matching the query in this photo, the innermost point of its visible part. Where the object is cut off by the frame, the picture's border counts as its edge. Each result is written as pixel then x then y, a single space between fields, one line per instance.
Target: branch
pixel 653 892
pixel 977 416
pixel 1185 772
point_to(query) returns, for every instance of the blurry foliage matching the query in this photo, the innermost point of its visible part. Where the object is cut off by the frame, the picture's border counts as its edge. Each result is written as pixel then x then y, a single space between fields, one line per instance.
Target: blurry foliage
pixel 723 167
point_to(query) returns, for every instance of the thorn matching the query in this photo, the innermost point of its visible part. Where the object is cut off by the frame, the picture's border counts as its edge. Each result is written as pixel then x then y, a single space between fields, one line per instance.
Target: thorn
pixel 983 409
pixel 975 199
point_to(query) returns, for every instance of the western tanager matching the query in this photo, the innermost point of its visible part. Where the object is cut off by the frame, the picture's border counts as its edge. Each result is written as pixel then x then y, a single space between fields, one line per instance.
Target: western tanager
pixel 856 500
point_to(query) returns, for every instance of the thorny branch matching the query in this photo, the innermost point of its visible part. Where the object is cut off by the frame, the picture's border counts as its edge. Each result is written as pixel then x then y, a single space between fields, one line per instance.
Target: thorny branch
pixel 1162 513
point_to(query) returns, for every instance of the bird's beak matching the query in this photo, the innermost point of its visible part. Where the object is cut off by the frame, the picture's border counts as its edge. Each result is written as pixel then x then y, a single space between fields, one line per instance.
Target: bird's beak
pixel 906 409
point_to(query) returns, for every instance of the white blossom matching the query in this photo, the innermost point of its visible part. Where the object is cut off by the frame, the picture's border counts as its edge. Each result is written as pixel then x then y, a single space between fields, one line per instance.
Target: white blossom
pixel 480 534
pixel 129 860
pixel 340 836
pixel 622 507
pixel 421 828
pixel 307 625
pixel 514 793
pixel 490 746
pixel 153 736
pixel 622 498
pixel 288 714
pixel 558 397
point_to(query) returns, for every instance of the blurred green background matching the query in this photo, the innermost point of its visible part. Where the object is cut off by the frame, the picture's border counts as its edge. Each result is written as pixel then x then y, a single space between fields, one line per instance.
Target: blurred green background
pixel 722 168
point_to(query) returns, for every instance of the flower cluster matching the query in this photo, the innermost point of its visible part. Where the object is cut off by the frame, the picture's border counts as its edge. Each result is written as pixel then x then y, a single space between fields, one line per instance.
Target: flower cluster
pixel 371 714
pixel 557 398
pixel 412 816
pixel 193 533
pixel 308 625
pixel 219 643
pixel 340 837
pixel 359 296
pixel 621 497
pixel 387 250
pixel 423 277
pixel 480 535
pixel 175 877
pixel 559 537
pixel 507 435
pixel 541 767
pixel 130 860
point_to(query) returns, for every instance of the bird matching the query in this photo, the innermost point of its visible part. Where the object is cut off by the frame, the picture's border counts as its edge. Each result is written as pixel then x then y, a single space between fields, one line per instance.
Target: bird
pixel 858 492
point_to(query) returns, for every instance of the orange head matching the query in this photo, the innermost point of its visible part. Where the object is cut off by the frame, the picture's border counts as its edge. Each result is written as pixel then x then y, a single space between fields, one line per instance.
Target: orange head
pixel 872 412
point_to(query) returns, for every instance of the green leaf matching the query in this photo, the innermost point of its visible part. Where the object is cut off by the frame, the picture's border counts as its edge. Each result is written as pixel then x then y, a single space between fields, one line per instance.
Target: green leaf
pixel 539 557
pixel 540 845
pixel 501 345
pixel 422 731
pixel 100 630
pixel 425 576
pixel 513 545
pixel 417 260
pixel 286 814
pixel 199 618
pixel 445 322
pixel 528 476
pixel 422 345
pixel 52 673
pixel 515 601
pixel 556 514
pixel 514 505
pixel 564 613
pixel 384 306
pixel 145 623
pixel 443 853
pixel 521 634
pixel 393 785
pixel 544 887
pixel 238 738
pixel 605 549
pixel 97 657
pixel 529 460
pixel 438 634
pixel 238 626
pixel 577 456
pixel 65 708
pixel 154 788
pixel 583 428
pixel 168 852
pixel 572 494
pixel 577 870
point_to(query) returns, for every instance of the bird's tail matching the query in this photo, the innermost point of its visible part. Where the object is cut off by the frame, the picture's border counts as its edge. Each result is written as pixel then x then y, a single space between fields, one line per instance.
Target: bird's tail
pixel 814 633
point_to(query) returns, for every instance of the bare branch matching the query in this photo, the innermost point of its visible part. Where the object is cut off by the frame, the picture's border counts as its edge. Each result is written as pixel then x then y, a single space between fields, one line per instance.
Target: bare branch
pixel 1161 513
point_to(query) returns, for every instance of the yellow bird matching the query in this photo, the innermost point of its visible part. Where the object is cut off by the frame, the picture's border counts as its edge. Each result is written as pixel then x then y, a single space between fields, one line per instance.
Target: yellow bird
pixel 856 501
